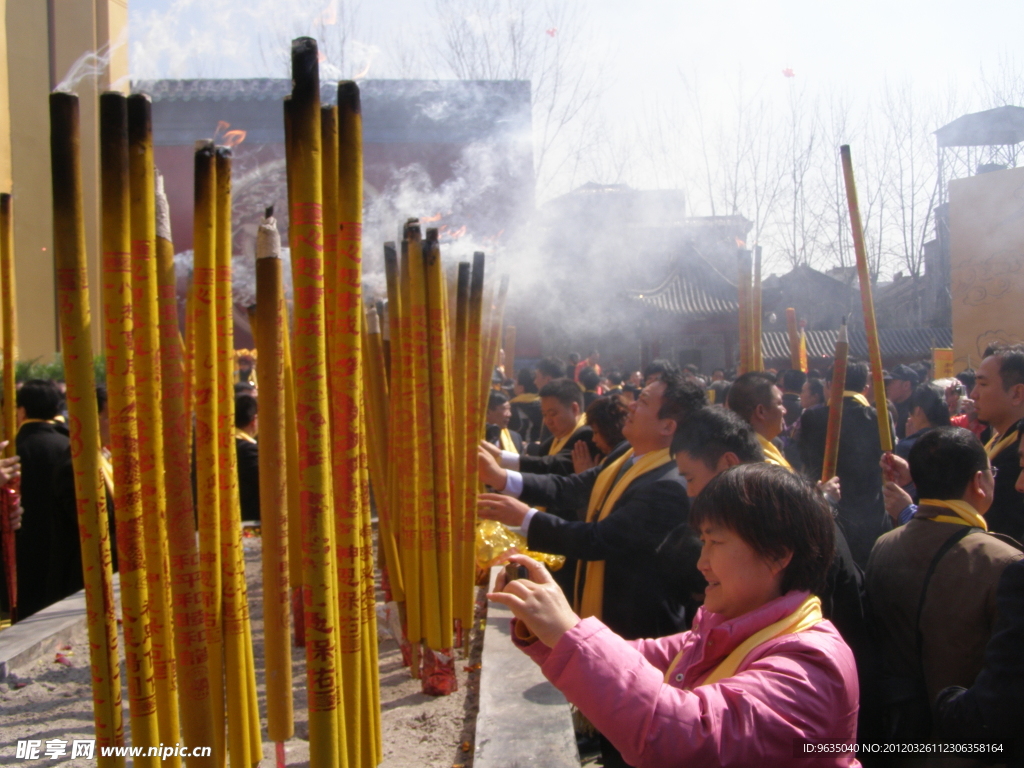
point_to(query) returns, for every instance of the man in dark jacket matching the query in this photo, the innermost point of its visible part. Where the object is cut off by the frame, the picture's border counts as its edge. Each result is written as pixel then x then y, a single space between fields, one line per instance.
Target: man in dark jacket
pixel 998 396
pixel 248 453
pixel 899 386
pixel 497 432
pixel 42 443
pixel 637 601
pixel 526 418
pixel 992 709
pixel 861 508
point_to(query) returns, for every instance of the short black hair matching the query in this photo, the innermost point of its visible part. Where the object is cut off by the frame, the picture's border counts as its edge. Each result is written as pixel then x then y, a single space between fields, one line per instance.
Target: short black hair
pixel 614 378
pixel 660 367
pixel 1011 363
pixel 680 399
pixel 712 432
pixel 856 375
pixel 589 378
pixel 691 368
pixel 793 380
pixel 944 460
pixel 566 391
pixel 932 403
pixel 775 512
pixel 525 380
pixel 606 415
pixel 40 398
pixel 749 391
pixel 551 366
pixel 496 399
pixel 574 358
pixel 968 378
pixel 245 410
pixel 817 388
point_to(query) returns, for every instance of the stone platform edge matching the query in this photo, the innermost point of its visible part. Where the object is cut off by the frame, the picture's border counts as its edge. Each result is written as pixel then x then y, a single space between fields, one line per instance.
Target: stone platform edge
pixel 523 720
pixel 42 633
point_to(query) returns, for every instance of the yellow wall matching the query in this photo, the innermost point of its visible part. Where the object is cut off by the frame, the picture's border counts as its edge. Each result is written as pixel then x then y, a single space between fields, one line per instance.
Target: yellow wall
pixel 28 79
pixel 986 231
pixel 34 67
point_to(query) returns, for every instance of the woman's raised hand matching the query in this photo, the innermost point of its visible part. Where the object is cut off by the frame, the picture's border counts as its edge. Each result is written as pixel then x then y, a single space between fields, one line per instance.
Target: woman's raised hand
pixel 538 601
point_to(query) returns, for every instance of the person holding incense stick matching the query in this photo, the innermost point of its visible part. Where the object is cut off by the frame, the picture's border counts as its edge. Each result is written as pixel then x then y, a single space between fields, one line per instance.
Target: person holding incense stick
pixel 762 671
pixel 861 508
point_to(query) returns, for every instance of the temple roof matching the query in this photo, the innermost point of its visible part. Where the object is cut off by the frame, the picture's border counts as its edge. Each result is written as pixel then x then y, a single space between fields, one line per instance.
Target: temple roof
pixel 993 127
pixel 895 342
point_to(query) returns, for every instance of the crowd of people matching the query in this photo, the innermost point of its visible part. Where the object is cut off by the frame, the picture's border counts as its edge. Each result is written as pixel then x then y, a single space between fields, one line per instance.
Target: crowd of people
pixel 722 603
pixel 48 558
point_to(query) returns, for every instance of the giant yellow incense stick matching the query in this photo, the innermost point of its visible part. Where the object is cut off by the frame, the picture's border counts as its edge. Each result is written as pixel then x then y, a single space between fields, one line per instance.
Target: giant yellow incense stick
pixel 744 267
pixel 117 333
pixel 8 302
pixel 274 520
pixel 232 569
pixel 870 326
pixel 462 582
pixel 146 334
pixel 204 392
pixel 755 313
pixel 441 403
pixel 326 742
pixel 474 419
pixel 191 653
pixel 794 339
pixel 83 422
pixel 835 406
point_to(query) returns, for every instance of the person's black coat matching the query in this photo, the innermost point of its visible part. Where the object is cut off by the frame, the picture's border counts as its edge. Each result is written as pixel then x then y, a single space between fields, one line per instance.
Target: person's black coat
pixel 1006 515
pixel 65 576
pixel 791 402
pixel 638 600
pixel 526 418
pixel 561 462
pixel 492 434
pixel 862 509
pixel 42 446
pixel 992 709
pixel 248 478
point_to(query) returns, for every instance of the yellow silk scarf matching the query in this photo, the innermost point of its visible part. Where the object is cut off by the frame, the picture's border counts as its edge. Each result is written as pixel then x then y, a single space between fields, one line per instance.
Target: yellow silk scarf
pixel 965 513
pixel 807 614
pixel 526 397
pixel 107 470
pixel 857 396
pixel 505 438
pixel 559 443
pixel 603 497
pixel 996 444
pixel 773 455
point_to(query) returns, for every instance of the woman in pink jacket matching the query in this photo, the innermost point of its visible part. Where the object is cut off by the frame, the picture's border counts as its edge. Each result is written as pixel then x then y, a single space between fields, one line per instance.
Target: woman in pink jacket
pixel 761 679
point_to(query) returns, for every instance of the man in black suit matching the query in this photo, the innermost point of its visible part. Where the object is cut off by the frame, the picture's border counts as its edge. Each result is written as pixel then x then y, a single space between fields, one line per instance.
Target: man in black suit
pixel 998 396
pixel 637 601
pixel 499 413
pixel 526 418
pixel 248 452
pixel 899 386
pixel 42 443
pixel 861 508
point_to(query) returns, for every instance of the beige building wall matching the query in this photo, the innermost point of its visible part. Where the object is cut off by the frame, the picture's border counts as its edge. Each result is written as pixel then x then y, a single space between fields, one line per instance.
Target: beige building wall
pixel 45 41
pixel 986 231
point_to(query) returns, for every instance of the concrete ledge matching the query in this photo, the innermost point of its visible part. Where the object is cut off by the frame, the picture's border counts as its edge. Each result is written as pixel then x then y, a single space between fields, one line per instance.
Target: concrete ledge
pixel 523 719
pixel 43 632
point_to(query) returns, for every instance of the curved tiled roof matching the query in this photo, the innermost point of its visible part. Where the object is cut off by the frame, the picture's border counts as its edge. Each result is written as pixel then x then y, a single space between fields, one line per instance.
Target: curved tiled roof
pixel 702 291
pixel 895 342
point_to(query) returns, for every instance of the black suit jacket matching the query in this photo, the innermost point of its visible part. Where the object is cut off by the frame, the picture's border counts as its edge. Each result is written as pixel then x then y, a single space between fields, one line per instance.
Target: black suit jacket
pixel 526 419
pixel 248 478
pixel 862 509
pixel 993 708
pixel 638 600
pixel 561 462
pixel 42 446
pixel 1006 515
